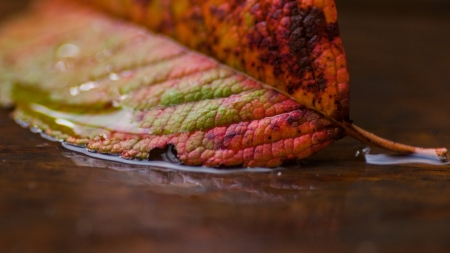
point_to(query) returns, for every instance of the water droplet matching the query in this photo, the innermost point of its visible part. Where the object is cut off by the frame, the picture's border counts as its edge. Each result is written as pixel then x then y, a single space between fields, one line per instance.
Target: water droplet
pixel 67 50
pixel 114 76
pixel 89 150
pixel 74 145
pixel 74 91
pixel 61 66
pixel 362 151
pixel 35 129
pixel 48 137
pixel 22 123
pixel 83 87
pixel 88 86
pixel 116 103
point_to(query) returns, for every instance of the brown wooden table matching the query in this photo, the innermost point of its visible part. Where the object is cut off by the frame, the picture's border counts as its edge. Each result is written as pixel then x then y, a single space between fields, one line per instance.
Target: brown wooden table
pixel 55 200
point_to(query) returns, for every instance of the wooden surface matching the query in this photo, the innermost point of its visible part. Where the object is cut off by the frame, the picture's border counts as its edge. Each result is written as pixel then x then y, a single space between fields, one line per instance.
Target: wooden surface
pixel 55 200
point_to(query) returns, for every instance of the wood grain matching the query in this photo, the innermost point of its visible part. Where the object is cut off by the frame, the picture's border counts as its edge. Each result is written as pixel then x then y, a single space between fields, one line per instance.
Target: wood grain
pixel 54 200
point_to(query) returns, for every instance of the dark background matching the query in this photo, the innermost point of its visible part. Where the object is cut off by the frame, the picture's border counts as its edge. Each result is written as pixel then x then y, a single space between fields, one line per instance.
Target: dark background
pixel 54 200
pixel 398 57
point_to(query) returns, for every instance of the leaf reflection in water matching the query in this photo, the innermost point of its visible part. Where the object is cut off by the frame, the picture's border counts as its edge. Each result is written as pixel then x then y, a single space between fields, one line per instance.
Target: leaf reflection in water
pixel 284 184
pixel 314 199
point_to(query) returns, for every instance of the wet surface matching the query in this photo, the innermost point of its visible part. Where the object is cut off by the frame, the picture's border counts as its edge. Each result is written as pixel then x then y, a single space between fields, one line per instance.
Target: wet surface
pixel 56 200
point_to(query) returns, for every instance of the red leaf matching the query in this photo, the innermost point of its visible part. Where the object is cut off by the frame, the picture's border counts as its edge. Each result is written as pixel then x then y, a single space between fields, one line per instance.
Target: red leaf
pixel 87 78
pixel 122 90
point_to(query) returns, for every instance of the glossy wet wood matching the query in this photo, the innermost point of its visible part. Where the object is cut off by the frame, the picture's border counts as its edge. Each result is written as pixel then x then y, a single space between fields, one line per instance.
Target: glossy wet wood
pixel 55 200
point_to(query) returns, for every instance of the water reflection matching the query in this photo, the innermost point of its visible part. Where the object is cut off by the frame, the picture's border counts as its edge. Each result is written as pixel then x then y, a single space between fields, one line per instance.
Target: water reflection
pixel 310 199
pixel 286 184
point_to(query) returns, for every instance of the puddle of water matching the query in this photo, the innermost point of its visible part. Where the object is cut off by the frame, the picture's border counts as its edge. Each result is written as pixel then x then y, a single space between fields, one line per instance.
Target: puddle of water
pixel 423 157
pixel 165 162
pixel 221 186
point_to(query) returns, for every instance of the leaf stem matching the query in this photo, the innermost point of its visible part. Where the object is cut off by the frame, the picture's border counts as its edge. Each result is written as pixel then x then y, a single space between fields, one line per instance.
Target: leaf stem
pixel 374 140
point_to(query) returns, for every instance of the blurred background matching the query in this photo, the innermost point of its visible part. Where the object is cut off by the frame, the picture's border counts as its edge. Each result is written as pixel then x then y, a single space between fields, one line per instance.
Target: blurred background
pixel 397 51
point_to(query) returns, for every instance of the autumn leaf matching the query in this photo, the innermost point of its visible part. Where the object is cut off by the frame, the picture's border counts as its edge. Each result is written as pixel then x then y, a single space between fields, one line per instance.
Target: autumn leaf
pixel 119 89
pixel 293 46
pixel 84 77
